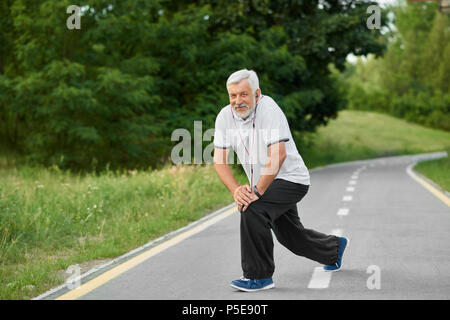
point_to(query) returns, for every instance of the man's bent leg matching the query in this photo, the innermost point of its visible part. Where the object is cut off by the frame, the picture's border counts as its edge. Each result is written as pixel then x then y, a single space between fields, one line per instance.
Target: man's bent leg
pixel 256 244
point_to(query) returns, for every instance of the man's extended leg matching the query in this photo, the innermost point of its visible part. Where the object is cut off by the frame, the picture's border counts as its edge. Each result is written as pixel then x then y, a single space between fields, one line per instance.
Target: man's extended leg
pixel 304 242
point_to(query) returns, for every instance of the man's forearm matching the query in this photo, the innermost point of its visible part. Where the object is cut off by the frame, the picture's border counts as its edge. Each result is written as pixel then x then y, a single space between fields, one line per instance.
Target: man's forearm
pixel 225 174
pixel 269 174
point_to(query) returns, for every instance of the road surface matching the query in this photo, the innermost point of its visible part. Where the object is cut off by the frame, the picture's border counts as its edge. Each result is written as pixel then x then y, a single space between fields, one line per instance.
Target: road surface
pixel 399 246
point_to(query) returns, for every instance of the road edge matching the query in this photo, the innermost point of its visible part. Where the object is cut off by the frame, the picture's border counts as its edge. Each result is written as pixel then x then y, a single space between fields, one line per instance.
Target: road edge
pixel 428 184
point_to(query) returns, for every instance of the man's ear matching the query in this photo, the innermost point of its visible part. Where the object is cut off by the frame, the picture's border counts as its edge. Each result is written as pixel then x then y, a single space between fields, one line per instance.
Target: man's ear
pixel 257 94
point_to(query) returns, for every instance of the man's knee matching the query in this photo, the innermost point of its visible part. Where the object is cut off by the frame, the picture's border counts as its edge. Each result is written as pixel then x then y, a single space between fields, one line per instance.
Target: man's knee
pixel 255 216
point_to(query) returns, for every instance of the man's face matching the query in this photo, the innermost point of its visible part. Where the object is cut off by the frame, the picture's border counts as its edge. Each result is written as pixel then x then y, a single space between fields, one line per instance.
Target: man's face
pixel 241 97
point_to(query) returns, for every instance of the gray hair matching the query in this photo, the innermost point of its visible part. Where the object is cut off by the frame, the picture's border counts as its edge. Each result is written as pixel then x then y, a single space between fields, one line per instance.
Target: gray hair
pixel 250 75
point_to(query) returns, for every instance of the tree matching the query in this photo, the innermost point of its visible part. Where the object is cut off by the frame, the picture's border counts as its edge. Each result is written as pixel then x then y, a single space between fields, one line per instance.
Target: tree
pixel 314 33
pixel 112 92
pixel 412 80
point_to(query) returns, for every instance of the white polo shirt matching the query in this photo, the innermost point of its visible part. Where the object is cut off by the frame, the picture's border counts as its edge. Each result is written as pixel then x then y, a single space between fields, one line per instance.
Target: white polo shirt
pixel 271 127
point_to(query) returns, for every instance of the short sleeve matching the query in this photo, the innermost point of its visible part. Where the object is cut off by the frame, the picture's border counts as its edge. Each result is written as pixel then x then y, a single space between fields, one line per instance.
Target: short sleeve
pixel 276 127
pixel 220 137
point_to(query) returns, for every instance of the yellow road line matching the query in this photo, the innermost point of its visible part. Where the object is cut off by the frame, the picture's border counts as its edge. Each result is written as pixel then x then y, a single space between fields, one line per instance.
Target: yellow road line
pixel 428 186
pixel 113 273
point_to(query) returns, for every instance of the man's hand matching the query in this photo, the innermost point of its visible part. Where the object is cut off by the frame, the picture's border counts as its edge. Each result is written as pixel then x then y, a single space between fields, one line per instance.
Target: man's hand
pixel 244 195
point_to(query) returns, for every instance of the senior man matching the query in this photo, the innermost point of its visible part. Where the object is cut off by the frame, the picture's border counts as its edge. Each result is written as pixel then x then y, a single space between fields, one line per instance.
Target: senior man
pixel 257 130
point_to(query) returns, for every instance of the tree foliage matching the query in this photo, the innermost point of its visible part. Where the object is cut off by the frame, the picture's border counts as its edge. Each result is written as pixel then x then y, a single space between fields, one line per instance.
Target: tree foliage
pixel 412 80
pixel 111 93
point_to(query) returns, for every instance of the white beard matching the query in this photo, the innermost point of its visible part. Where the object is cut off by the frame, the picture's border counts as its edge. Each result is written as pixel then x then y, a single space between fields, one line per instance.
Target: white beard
pixel 246 113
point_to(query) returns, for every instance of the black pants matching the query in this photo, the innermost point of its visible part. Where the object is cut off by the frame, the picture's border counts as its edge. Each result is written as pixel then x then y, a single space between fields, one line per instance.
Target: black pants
pixel 277 210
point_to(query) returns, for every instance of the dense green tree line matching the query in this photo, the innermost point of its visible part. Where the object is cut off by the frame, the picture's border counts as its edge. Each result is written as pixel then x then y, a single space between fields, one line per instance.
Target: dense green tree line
pixel 412 80
pixel 112 92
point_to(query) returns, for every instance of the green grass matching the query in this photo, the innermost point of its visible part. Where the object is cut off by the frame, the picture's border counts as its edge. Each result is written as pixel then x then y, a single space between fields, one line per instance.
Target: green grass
pixel 358 135
pixel 437 170
pixel 50 220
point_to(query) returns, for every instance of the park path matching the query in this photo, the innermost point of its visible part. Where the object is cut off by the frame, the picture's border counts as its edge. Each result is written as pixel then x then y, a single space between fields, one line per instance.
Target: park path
pixel 399 249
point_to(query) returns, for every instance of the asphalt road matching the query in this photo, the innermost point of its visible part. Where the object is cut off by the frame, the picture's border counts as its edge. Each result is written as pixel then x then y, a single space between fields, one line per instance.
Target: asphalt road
pixel 399 249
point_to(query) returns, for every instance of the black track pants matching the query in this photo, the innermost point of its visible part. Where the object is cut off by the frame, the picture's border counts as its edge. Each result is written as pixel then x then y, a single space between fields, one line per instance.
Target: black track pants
pixel 277 210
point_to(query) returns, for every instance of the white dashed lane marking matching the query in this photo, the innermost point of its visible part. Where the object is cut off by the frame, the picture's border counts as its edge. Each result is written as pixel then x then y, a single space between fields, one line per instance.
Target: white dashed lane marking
pixel 342 212
pixel 337 232
pixel 320 279
pixel 347 198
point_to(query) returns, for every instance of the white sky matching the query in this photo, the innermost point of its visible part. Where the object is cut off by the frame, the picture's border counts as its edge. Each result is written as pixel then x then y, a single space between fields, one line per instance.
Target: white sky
pixel 386 1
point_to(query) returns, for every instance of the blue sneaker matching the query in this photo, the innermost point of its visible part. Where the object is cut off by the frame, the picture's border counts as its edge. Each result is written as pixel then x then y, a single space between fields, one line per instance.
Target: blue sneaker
pixel 343 243
pixel 252 285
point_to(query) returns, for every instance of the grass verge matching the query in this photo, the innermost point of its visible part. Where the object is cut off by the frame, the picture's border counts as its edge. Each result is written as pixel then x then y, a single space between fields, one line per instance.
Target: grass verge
pixel 437 170
pixel 359 135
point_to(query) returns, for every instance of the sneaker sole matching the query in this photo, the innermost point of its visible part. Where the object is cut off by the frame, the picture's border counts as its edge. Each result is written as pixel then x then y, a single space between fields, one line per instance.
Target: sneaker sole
pixel 270 286
pixel 346 247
